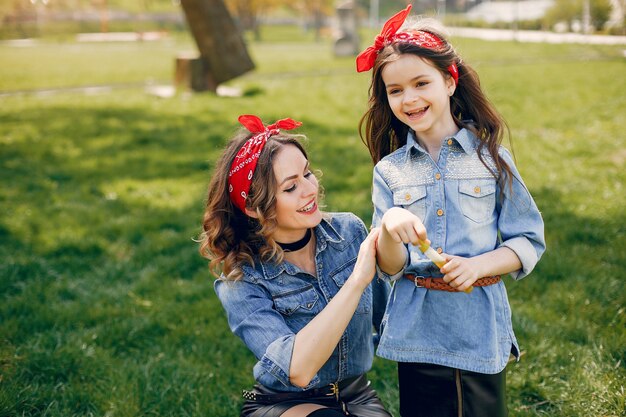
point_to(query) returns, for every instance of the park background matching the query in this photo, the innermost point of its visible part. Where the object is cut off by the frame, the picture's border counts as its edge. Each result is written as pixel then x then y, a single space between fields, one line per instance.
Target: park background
pixel 107 309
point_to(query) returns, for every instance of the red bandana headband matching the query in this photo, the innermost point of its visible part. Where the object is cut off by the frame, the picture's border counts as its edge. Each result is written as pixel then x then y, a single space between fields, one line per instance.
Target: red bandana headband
pixel 388 34
pixel 243 166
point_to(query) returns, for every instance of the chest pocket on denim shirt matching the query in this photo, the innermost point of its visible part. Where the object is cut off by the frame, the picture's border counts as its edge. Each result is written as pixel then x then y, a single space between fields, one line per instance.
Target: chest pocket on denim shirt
pixel 412 199
pixel 341 275
pixel 304 300
pixel 477 199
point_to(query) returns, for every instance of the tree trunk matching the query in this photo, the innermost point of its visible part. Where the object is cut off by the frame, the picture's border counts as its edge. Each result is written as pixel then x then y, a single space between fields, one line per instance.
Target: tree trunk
pixel 220 44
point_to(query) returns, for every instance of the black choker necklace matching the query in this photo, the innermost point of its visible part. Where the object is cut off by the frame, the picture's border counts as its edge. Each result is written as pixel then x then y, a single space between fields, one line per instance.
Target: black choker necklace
pixel 297 245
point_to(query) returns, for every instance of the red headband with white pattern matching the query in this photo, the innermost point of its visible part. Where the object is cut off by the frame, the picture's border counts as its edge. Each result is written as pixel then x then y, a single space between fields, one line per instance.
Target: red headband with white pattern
pixel 366 59
pixel 243 166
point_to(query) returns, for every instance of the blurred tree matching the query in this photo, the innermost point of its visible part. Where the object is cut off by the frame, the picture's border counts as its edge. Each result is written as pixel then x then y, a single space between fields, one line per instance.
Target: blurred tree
pixel 386 8
pixel 315 12
pixel 222 50
pixel 134 6
pixel 247 12
pixel 569 11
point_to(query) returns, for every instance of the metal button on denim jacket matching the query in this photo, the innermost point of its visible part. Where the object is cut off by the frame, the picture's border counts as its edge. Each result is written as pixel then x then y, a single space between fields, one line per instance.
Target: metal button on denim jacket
pixel 458 200
pixel 272 302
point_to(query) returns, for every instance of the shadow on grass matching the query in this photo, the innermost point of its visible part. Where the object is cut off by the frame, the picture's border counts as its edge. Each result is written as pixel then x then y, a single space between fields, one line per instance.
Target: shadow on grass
pixel 106 303
pixel 579 248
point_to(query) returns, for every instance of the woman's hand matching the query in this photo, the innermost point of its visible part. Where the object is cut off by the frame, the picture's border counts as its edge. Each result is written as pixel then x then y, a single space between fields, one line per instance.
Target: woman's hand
pixel 365 267
pixel 402 226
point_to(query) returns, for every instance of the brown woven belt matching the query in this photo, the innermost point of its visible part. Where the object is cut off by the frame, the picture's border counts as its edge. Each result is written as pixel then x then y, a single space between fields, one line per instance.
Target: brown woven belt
pixel 439 284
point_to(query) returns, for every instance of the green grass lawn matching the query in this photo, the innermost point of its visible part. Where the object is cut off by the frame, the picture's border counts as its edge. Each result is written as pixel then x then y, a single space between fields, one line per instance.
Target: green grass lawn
pixel 107 309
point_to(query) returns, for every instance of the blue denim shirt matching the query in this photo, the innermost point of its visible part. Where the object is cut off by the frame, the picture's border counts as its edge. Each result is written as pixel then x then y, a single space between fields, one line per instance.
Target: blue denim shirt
pixel 459 202
pixel 272 302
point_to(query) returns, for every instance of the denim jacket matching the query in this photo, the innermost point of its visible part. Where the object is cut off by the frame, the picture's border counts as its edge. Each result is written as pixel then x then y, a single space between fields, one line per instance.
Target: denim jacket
pixel 272 302
pixel 459 202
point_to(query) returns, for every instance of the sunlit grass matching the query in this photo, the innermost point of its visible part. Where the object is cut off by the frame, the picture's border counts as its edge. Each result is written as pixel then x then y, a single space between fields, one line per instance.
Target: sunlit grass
pixel 106 307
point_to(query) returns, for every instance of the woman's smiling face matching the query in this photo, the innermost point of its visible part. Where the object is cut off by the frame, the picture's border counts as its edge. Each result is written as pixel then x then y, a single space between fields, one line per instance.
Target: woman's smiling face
pixel 296 196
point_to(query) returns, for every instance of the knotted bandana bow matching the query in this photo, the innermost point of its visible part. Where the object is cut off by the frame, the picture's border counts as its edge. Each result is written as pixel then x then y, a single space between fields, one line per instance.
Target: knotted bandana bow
pixel 366 59
pixel 243 166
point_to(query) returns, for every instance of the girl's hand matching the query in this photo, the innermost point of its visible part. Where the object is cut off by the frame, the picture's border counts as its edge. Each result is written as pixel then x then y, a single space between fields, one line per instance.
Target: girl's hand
pixel 403 226
pixel 365 267
pixel 461 273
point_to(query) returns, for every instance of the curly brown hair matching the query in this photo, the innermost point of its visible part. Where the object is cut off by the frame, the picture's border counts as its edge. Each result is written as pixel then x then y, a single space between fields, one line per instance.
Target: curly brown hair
pixel 383 133
pixel 230 238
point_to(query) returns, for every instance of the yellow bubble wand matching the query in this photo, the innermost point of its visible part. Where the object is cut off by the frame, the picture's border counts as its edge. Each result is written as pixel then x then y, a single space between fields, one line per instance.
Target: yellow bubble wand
pixel 435 258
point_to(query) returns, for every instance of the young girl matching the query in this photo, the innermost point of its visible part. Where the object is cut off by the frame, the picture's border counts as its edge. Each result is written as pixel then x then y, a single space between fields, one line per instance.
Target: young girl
pixel 435 140
pixel 295 283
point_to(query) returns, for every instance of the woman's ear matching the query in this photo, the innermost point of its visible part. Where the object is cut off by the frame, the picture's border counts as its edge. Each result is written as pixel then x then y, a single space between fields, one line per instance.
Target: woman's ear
pixel 252 213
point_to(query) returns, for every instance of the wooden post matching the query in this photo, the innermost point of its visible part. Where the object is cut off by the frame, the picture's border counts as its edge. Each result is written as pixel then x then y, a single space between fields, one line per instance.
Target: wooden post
pixel 223 53
pixel 191 73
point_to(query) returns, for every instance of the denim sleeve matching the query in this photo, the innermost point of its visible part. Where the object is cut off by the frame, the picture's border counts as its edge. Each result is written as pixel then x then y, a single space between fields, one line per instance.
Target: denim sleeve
pixel 520 222
pixel 382 198
pixel 382 275
pixel 253 319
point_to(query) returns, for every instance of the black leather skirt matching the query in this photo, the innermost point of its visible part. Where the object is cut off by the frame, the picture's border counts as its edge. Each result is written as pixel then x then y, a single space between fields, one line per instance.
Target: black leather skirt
pixel 353 397
pixel 428 390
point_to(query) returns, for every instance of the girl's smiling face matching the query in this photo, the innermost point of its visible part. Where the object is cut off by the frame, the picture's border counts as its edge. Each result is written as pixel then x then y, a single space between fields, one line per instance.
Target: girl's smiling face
pixel 419 96
pixel 296 197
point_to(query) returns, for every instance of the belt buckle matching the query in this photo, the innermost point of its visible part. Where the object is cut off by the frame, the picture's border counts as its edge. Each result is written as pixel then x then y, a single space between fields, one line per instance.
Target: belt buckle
pixel 415 281
pixel 334 390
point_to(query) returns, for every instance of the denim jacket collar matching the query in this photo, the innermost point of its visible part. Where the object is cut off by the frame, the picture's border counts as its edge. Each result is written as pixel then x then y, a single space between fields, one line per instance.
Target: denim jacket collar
pixel 465 138
pixel 325 233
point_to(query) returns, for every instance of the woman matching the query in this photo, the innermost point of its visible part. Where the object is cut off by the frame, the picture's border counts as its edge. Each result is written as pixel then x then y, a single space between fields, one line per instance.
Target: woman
pixel 296 283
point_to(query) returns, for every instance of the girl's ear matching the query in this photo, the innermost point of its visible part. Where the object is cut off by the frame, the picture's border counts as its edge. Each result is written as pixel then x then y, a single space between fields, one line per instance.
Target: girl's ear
pixel 251 213
pixel 451 85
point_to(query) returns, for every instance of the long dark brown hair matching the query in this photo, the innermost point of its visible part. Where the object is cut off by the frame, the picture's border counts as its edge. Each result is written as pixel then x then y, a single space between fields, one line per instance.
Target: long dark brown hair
pixel 230 238
pixel 383 133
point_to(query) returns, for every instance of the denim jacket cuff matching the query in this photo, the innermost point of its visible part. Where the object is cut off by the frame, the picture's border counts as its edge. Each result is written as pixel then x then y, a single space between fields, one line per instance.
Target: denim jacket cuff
pixel 387 277
pixel 526 254
pixel 276 363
